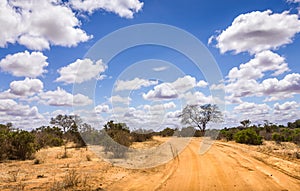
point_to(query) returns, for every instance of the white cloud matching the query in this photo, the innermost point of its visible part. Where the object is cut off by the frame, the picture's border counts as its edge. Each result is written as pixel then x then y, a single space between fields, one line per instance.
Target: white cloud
pixel 32 23
pixel 102 109
pixel 161 91
pixel 134 84
pixel 286 106
pixel 257 31
pixel 196 98
pixel 158 108
pixel 27 87
pixel 60 97
pixel 24 64
pixel 171 90
pixel 252 109
pixel 160 69
pixel 278 89
pixel 288 111
pixel 11 108
pixel 202 83
pixel 273 88
pixel 255 68
pixel 119 99
pixel 81 71
pixel 124 8
pixel 293 1
pixel 242 88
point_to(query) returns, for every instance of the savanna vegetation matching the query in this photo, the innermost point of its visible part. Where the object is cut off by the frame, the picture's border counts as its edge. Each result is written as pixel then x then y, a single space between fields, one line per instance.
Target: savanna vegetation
pixel 116 138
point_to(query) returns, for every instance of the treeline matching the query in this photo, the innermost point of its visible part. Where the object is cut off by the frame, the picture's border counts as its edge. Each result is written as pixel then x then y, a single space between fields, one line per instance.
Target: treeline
pixel 253 134
pixel 116 138
pixel 17 144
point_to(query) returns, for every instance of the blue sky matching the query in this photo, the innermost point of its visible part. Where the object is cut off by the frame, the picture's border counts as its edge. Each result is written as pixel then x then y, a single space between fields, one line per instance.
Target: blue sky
pixel 43 45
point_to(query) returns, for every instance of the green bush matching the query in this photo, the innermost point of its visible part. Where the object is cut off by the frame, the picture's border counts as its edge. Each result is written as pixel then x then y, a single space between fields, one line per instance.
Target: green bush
pixel 248 136
pixel 23 145
pixel 277 137
pixel 228 134
pixel 167 132
pixel 48 136
pixel 296 136
pixel 116 139
pixel 141 135
pixel 16 144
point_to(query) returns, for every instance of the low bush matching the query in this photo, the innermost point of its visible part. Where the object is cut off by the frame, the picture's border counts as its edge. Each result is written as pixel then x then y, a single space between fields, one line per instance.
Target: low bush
pixel 248 136
pixel 16 144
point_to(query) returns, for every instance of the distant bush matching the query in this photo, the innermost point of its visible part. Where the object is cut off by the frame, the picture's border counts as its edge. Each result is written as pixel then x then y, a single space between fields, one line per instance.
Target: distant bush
pixel 141 135
pixel 48 136
pixel 248 136
pixel 277 137
pixel 91 135
pixel 296 136
pixel 167 132
pixel 228 134
pixel 118 139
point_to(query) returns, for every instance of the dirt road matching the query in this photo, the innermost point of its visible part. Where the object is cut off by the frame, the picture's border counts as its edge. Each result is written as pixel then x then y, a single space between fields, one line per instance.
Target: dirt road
pixel 223 167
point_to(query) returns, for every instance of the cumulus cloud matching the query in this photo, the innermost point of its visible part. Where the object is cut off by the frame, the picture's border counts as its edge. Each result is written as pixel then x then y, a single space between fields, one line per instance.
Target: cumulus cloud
pixel 273 88
pixel 252 109
pixel 255 68
pixel 81 71
pixel 119 99
pixel 287 106
pixel 134 84
pixel 196 98
pixel 287 111
pixel 280 89
pixel 27 87
pixel 159 107
pixel 257 31
pixel 202 83
pixel 171 90
pixel 102 109
pixel 24 64
pixel 124 8
pixel 60 97
pixel 11 108
pixel 32 24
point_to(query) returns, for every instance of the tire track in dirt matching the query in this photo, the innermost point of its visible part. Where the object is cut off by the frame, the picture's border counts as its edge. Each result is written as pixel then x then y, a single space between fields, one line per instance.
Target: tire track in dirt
pixel 221 168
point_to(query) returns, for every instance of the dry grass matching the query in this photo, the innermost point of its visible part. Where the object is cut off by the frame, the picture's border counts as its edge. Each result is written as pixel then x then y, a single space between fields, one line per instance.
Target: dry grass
pixel 83 170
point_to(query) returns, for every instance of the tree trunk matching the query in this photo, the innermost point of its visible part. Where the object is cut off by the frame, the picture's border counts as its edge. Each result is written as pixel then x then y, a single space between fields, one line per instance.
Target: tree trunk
pixel 203 129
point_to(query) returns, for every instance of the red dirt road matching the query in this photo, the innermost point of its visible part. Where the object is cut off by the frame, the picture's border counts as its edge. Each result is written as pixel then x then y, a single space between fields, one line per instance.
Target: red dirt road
pixel 223 167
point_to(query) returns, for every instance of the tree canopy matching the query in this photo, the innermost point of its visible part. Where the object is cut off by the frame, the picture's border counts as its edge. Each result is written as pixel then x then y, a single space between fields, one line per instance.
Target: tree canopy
pixel 200 115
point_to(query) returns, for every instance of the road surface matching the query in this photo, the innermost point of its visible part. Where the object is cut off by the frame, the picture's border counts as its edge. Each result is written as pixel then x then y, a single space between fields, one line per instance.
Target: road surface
pixel 221 168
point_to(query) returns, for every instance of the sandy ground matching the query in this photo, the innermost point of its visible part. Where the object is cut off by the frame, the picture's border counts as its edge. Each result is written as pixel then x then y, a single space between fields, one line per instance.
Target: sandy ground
pixel 225 166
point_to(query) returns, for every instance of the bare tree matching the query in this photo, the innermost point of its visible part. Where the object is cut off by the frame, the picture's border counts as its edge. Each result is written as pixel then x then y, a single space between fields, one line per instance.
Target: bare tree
pixel 200 115
pixel 246 123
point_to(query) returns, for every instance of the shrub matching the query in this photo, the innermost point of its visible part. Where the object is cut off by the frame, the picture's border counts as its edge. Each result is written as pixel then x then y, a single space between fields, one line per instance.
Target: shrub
pixel 141 135
pixel 23 145
pixel 116 139
pixel 228 134
pixel 296 136
pixel 167 132
pixel 48 136
pixel 16 144
pixel 248 136
pixel 277 137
